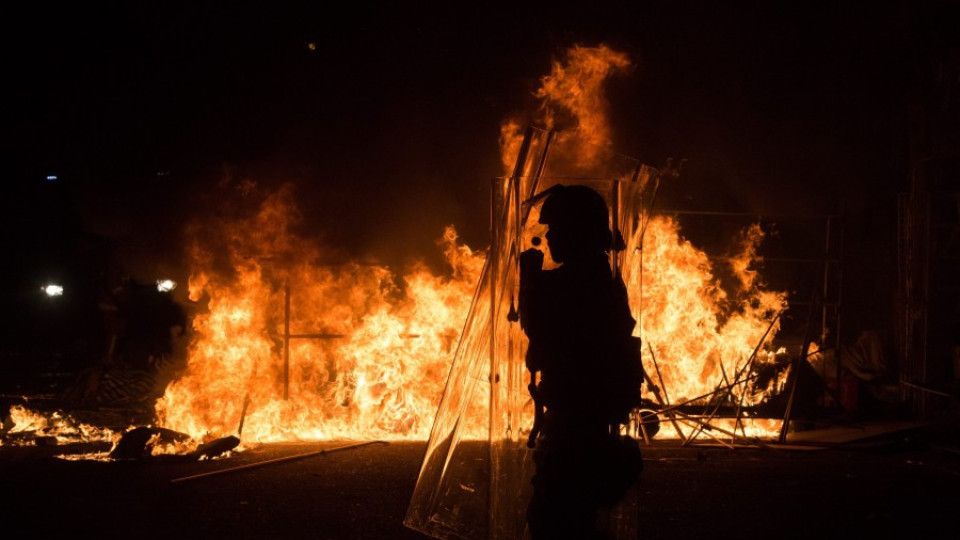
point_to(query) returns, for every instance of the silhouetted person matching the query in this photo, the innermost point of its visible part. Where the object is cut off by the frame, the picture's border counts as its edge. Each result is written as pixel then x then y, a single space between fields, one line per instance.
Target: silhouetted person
pixel 151 317
pixel 580 328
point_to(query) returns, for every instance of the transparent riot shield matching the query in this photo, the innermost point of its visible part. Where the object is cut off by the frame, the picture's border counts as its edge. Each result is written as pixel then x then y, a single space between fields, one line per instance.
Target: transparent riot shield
pixel 474 482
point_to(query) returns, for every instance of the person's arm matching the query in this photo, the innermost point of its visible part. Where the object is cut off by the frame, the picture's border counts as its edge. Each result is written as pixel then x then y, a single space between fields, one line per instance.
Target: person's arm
pixel 531 293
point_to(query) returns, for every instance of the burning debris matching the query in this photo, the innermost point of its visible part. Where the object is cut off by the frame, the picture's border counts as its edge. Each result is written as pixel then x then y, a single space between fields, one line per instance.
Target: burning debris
pixel 146 442
pixel 22 426
pixel 699 337
pixel 80 440
pixel 286 346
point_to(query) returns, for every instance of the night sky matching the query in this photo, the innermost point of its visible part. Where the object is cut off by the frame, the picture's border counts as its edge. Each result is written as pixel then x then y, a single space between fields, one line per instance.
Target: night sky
pixel 388 124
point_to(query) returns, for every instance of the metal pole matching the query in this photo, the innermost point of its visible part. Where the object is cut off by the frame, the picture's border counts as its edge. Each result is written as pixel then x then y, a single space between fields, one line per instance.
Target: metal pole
pixel 243 414
pixel 614 256
pixel 793 392
pixel 838 309
pixel 736 422
pixel 826 293
pixel 259 464
pixel 664 401
pixel 540 166
pixel 704 427
pixel 492 344
pixel 677 406
pixel 286 341
pixel 795 371
pixel 499 213
pixel 636 173
pixel 535 181
pixel 741 372
pixel 688 419
pixel 653 200
pixel 718 400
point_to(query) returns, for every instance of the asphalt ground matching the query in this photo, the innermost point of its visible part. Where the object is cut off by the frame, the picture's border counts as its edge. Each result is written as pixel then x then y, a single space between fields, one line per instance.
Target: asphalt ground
pixel 905 485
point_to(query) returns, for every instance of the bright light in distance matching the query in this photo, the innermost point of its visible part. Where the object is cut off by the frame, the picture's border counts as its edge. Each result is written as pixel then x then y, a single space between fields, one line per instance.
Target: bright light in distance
pixel 53 290
pixel 166 285
pixel 51 178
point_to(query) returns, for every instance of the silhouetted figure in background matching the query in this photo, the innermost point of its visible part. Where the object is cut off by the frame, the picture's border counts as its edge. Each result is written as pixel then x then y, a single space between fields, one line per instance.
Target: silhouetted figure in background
pixel 580 328
pixel 141 324
pixel 151 318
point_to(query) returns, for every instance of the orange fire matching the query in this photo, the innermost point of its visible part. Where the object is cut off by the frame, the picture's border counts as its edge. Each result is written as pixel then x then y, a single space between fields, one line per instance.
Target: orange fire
pixel 572 100
pixel 382 367
pixel 372 356
pixel 368 352
pixel 696 336
pixel 52 424
pixel 695 330
pixel 699 334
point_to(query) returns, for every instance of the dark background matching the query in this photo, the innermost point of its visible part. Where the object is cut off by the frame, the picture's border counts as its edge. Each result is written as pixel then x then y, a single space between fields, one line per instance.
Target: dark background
pixel 389 127
pixel 897 488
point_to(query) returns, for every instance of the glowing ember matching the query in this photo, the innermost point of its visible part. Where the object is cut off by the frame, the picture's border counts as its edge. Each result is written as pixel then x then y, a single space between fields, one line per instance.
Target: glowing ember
pixel 64 428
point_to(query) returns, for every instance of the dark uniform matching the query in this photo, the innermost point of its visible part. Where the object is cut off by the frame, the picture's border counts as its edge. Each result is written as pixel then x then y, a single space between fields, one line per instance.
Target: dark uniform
pixel 580 328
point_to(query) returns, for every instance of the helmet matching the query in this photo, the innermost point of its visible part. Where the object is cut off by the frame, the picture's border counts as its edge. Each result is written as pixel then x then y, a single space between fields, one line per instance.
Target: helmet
pixel 581 209
pixel 575 205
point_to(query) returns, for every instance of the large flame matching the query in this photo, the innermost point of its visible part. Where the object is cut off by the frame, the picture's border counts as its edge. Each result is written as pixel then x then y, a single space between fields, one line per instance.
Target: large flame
pixel 372 354
pixel 572 100
pixel 380 353
pixel 368 351
pixel 698 337
pixel 699 334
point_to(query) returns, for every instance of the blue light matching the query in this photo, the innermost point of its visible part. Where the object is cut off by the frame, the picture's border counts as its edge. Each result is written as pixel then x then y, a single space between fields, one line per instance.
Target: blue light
pixel 51 178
